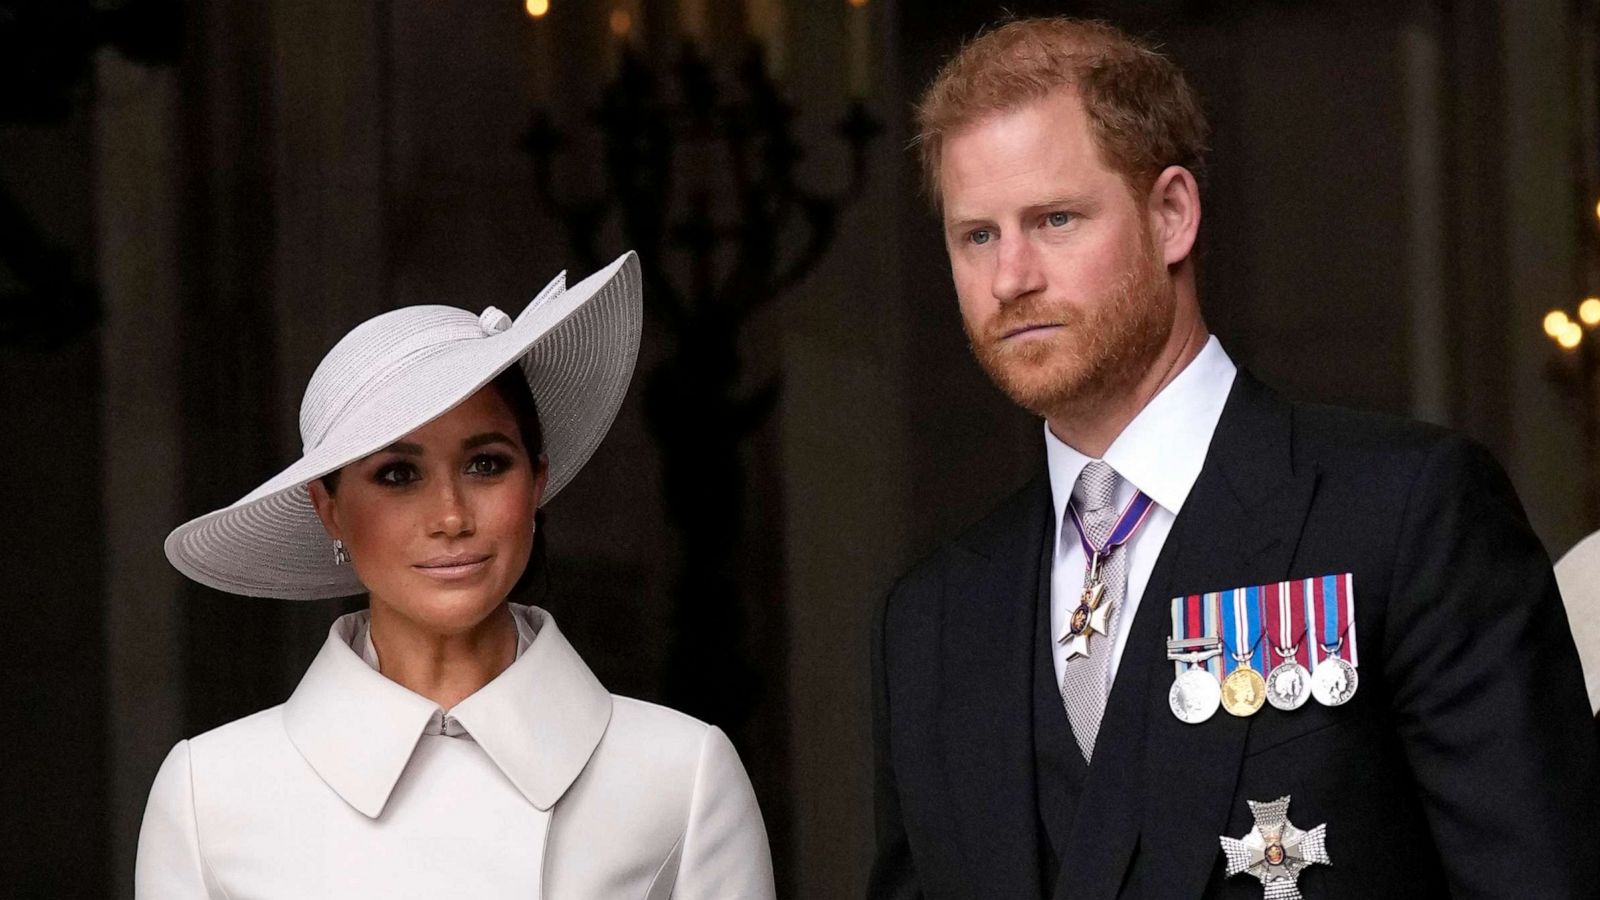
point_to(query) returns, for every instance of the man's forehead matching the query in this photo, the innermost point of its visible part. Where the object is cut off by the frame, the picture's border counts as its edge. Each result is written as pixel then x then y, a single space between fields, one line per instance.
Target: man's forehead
pixel 1033 151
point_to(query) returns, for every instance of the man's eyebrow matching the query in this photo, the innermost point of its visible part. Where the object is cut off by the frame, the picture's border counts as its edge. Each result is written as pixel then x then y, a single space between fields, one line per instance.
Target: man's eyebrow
pixel 1070 201
pixel 488 437
pixel 965 222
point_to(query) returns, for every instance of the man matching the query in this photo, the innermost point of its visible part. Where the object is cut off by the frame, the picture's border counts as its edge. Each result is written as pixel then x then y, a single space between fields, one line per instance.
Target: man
pixel 1031 739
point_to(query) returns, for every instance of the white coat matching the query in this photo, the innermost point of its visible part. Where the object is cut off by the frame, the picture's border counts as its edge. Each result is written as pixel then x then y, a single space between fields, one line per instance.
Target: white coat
pixel 563 791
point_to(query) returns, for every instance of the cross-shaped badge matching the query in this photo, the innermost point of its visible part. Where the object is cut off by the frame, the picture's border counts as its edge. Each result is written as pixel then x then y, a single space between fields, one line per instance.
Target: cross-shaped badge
pixel 1275 851
pixel 1090 617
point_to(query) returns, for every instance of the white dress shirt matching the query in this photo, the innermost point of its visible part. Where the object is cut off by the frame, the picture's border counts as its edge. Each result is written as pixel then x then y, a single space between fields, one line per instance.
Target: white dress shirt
pixel 1160 453
pixel 564 791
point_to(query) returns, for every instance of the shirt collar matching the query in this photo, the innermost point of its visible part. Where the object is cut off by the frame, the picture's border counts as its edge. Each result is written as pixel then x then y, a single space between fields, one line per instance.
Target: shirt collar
pixel 539 721
pixel 1161 451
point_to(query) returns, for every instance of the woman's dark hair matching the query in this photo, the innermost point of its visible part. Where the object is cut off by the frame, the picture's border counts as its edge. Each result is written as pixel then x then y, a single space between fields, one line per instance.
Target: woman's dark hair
pixel 513 388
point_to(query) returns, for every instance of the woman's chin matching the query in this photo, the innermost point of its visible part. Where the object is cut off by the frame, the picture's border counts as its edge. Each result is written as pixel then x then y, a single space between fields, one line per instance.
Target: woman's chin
pixel 449 609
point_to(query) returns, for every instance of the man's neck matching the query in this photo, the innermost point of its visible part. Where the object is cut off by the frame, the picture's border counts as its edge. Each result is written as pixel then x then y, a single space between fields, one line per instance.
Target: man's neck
pixel 1091 428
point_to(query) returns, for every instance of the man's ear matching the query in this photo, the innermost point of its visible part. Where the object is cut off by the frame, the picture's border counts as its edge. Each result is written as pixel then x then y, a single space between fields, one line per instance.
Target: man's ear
pixel 325 504
pixel 1174 206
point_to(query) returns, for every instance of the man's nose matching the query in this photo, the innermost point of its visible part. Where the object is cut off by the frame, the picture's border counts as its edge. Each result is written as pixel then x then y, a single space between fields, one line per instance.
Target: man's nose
pixel 1017 272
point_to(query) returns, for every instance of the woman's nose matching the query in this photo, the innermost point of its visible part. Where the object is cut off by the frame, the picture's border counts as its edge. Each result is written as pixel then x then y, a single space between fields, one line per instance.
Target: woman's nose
pixel 452 515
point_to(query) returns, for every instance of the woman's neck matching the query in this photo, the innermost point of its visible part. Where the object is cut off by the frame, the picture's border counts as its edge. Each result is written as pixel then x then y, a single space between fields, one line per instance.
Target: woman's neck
pixel 445 668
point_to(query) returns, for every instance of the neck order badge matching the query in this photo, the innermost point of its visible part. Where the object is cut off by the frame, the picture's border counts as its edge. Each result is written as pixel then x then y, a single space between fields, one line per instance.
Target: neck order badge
pixel 1090 616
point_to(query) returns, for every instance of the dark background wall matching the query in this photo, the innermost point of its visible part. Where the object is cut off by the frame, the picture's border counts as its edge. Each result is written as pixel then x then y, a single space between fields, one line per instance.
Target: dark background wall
pixel 200 198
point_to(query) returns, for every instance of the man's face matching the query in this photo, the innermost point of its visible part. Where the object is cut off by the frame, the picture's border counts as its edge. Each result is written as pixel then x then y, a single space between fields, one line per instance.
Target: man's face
pixel 1063 296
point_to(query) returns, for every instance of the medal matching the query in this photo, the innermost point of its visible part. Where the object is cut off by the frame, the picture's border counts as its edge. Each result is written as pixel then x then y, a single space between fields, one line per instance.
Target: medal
pixel 1288 684
pixel 1330 607
pixel 1090 616
pixel 1093 616
pixel 1275 851
pixel 1334 681
pixel 1195 694
pixel 1244 691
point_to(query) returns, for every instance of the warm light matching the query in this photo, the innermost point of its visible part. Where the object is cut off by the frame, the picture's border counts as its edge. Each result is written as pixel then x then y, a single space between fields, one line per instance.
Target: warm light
pixel 537 8
pixel 1556 322
pixel 1589 312
pixel 864 3
pixel 1570 336
pixel 1597 210
pixel 621 22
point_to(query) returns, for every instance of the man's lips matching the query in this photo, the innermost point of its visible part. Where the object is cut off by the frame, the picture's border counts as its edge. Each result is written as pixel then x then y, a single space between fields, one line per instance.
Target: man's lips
pixel 452 566
pixel 1024 330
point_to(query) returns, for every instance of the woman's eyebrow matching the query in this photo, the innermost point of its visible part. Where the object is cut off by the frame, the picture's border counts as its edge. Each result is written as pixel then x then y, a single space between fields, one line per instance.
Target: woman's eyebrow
pixel 408 449
pixel 488 437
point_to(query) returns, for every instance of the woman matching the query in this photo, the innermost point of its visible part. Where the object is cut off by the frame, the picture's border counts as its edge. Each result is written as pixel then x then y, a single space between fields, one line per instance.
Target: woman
pixel 445 742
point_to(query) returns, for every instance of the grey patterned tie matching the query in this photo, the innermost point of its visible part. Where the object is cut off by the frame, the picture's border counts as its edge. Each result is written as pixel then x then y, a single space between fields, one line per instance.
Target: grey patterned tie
pixel 1086 681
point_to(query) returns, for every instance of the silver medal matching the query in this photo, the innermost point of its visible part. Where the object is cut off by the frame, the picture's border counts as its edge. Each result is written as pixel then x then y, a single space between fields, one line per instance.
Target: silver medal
pixel 1288 685
pixel 1195 696
pixel 1334 682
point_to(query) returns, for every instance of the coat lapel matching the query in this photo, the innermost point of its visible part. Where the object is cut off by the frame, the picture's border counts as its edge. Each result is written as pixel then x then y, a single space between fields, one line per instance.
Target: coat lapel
pixel 986 703
pixel 1156 783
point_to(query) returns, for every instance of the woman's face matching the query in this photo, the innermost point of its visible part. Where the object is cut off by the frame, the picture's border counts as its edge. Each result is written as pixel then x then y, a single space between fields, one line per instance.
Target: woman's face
pixel 439 524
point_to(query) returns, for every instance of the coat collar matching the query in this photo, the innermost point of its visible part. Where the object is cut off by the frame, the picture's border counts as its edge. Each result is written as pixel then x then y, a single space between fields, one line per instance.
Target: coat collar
pixel 539 721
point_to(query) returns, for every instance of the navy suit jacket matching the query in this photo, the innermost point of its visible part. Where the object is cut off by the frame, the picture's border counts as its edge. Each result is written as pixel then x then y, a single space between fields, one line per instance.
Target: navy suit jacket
pixel 1466 764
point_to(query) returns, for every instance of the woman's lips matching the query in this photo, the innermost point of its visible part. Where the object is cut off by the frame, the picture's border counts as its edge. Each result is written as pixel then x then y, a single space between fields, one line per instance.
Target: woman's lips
pixel 453 568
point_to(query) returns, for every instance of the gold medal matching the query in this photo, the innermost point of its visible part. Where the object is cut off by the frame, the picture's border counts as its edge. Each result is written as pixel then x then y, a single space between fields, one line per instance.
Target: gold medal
pixel 1244 691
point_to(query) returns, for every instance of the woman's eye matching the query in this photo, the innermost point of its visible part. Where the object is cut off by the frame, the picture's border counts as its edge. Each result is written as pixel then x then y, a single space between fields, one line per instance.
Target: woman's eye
pixel 981 236
pixel 488 464
pixel 1058 219
pixel 395 474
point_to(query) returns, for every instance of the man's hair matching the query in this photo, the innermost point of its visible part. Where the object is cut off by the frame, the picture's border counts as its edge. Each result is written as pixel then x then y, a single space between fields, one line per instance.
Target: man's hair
pixel 1144 115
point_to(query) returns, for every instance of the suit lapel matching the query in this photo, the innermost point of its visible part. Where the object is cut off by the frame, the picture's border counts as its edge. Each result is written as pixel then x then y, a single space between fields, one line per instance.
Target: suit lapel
pixel 1156 783
pixel 986 695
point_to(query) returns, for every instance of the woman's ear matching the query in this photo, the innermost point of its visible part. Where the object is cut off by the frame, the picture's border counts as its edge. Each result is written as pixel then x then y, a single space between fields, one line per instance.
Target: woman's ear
pixel 541 477
pixel 325 504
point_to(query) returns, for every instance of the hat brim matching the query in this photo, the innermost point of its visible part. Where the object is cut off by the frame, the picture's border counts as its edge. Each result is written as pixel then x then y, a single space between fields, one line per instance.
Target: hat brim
pixel 577 350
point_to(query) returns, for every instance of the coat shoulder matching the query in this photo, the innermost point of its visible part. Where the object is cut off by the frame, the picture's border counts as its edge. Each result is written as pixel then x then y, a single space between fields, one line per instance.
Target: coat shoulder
pixel 1007 521
pixel 657 730
pixel 1337 430
pixel 232 758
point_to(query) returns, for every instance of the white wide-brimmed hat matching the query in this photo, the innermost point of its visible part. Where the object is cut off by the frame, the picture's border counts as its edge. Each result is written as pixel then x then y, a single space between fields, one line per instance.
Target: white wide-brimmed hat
pixel 399 371
pixel 1578 574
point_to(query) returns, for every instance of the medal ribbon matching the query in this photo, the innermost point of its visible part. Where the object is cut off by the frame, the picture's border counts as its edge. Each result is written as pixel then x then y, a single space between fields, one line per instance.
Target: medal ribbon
pixel 1330 608
pixel 1286 621
pixel 1133 516
pixel 1195 616
pixel 1241 629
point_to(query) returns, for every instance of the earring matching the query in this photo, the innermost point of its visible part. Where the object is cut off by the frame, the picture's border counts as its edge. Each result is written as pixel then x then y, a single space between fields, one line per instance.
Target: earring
pixel 341 556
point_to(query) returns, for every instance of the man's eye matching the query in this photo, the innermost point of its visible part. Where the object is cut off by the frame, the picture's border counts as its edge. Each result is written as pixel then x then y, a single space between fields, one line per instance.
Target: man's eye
pixel 981 236
pixel 1058 219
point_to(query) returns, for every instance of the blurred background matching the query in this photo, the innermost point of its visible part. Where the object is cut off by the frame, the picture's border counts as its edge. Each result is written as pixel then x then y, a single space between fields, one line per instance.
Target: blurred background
pixel 198 198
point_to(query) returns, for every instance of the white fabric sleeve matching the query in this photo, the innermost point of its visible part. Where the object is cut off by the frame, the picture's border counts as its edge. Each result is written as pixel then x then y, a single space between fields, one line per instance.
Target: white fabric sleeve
pixel 725 852
pixel 169 866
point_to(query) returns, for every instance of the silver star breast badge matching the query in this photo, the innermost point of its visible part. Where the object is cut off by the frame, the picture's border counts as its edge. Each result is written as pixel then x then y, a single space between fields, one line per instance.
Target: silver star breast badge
pixel 1275 851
